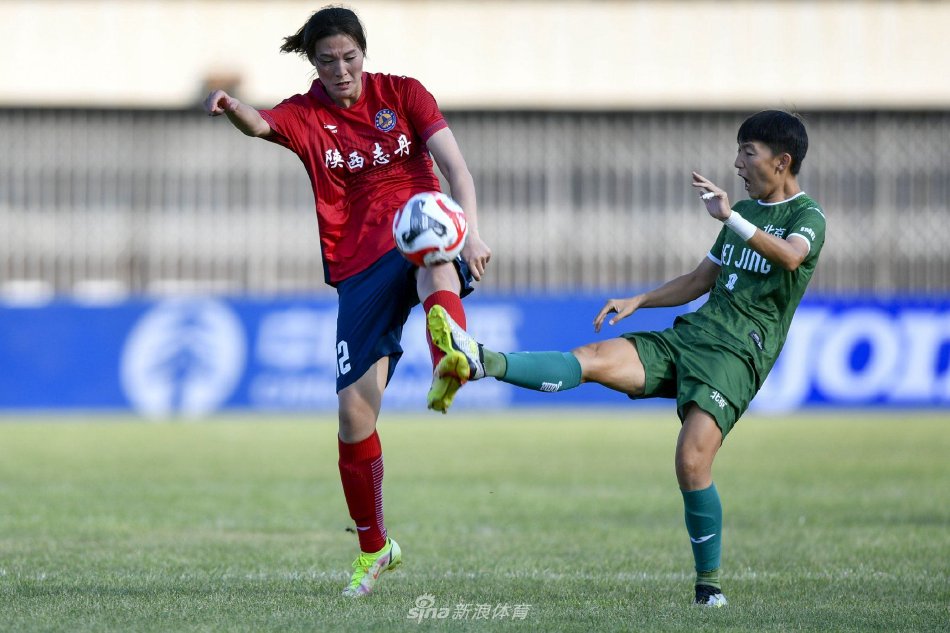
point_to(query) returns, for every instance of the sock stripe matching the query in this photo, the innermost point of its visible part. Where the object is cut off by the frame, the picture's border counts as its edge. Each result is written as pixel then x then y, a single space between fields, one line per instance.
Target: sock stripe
pixel 377 469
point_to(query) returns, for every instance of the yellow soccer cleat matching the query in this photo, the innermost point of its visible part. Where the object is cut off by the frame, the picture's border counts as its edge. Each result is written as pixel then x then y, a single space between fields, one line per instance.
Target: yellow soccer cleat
pixel 463 361
pixel 446 381
pixel 368 567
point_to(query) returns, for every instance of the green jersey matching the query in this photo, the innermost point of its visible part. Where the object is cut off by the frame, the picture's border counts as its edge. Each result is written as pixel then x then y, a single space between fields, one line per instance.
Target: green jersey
pixel 753 301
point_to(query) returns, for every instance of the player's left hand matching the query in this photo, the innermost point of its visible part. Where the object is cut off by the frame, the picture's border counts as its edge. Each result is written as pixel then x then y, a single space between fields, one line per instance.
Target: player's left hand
pixel 622 308
pixel 715 199
pixel 476 254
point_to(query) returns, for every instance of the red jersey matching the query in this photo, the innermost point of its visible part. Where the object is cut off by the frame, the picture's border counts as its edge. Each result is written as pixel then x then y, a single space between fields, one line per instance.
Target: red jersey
pixel 364 162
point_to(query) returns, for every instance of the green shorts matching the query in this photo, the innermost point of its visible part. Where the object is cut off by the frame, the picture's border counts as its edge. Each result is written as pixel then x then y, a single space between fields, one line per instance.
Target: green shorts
pixel 686 363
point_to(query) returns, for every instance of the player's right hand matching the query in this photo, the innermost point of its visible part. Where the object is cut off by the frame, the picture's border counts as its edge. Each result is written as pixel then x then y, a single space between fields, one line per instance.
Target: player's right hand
pixel 621 307
pixel 715 199
pixel 220 102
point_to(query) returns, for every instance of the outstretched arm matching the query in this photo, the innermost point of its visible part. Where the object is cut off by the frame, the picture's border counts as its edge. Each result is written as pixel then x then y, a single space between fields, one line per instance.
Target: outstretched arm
pixel 241 115
pixel 675 292
pixel 448 157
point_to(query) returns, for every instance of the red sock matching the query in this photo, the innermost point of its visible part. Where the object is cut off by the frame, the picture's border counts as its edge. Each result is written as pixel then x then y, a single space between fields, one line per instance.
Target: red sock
pixel 453 305
pixel 361 471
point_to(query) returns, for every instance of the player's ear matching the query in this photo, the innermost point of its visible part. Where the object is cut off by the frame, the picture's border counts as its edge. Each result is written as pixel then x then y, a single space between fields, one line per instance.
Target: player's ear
pixel 784 162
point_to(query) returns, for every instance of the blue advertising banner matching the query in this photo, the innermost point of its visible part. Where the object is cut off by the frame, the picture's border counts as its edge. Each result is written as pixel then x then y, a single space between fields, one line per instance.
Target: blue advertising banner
pixel 193 356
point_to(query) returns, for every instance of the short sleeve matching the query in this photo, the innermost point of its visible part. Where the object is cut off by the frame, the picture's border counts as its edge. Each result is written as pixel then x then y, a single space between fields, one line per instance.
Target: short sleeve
pixel 287 123
pixel 715 253
pixel 809 225
pixel 422 109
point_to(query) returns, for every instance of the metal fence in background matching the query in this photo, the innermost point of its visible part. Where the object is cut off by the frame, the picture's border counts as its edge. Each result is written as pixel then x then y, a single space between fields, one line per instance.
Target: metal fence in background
pixel 96 202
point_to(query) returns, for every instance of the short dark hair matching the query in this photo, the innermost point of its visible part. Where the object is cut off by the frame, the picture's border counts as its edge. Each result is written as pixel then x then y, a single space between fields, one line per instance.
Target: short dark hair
pixel 328 21
pixel 780 131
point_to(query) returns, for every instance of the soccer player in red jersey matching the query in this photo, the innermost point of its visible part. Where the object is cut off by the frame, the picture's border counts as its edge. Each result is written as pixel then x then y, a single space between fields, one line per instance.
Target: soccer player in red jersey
pixel 365 140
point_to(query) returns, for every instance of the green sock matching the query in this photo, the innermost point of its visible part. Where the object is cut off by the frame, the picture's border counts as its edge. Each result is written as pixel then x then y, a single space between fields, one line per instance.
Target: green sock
pixel 704 525
pixel 541 371
pixel 710 578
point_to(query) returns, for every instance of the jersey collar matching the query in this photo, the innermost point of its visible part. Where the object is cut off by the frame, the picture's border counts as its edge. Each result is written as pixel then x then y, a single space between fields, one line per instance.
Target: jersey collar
pixel 772 204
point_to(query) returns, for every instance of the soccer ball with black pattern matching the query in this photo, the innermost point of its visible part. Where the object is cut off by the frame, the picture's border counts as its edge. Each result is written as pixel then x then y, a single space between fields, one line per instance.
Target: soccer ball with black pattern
pixel 430 228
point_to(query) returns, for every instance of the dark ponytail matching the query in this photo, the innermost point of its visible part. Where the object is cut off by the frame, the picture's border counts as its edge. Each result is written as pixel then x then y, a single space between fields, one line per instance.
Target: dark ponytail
pixel 328 21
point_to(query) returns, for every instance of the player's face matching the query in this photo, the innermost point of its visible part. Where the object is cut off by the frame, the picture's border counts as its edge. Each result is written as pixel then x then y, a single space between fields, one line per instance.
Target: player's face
pixel 759 168
pixel 339 63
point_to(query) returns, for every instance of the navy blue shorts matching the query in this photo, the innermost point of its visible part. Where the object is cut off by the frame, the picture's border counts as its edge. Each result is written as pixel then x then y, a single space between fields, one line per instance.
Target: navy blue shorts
pixel 374 306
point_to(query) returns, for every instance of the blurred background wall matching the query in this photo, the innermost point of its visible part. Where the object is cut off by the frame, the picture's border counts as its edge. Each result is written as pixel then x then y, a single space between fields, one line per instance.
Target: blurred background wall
pixel 580 122
pixel 156 260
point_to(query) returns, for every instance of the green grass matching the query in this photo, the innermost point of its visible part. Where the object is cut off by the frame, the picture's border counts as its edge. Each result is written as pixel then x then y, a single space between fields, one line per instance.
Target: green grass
pixel 832 523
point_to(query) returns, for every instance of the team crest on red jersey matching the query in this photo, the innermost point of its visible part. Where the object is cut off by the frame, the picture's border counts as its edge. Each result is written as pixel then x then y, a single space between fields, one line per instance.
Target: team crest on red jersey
pixel 385 120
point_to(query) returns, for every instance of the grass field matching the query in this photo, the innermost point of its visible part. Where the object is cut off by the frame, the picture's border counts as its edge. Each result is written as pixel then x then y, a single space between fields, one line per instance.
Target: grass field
pixel 570 520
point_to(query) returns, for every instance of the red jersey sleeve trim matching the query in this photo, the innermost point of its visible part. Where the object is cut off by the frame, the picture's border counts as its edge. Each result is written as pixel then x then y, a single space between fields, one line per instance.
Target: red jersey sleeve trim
pixel 276 135
pixel 432 129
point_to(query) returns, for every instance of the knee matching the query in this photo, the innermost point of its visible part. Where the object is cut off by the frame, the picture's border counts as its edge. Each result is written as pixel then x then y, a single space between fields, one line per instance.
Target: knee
pixel 693 469
pixel 357 421
pixel 591 361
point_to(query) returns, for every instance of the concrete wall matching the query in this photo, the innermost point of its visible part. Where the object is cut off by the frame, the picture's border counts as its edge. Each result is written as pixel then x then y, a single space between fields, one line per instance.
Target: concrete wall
pixel 558 54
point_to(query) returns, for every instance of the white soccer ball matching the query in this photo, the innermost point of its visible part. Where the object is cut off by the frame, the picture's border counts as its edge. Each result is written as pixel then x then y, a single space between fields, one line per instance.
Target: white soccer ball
pixel 430 228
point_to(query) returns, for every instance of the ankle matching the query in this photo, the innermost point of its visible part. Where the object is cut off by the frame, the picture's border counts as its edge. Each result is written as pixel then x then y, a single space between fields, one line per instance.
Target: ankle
pixel 709 578
pixel 495 363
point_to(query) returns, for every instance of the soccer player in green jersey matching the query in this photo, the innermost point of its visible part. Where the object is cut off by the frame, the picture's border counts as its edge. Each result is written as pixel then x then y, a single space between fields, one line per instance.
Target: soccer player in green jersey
pixel 713 360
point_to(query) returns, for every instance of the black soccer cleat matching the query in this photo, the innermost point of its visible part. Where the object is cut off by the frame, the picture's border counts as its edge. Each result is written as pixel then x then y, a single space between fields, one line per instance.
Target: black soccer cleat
pixel 709 597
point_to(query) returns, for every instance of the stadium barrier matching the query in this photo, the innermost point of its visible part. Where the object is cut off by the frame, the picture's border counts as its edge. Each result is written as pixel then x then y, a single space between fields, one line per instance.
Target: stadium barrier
pixel 195 356
pixel 118 202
